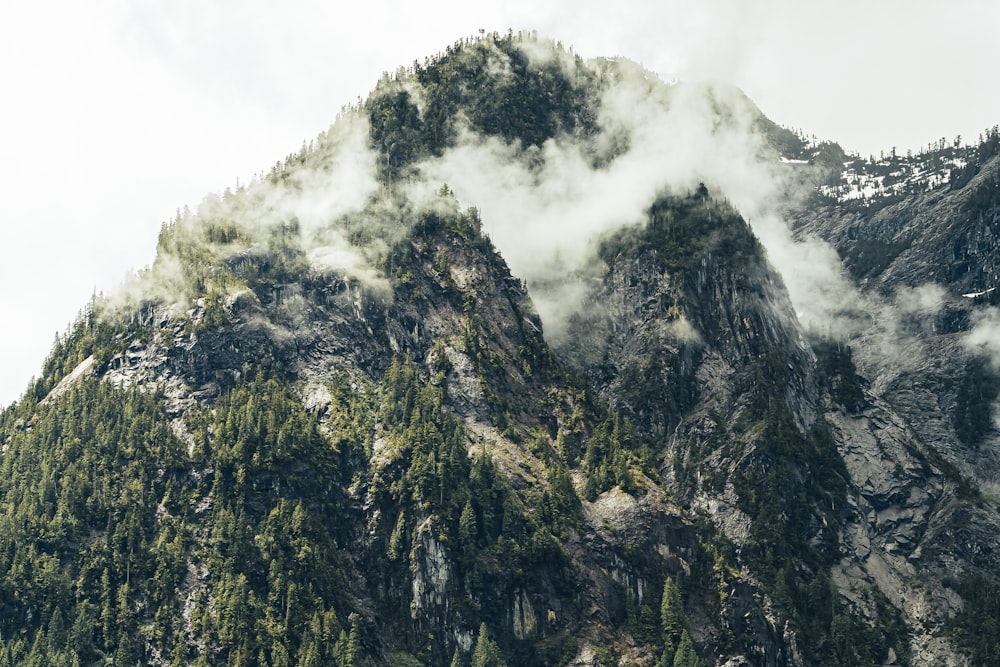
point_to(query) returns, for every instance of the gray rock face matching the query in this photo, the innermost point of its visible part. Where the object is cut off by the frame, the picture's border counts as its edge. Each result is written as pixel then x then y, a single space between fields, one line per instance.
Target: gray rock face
pixel 681 353
pixel 644 332
pixel 944 236
pixel 915 518
pixel 792 523
pixel 907 524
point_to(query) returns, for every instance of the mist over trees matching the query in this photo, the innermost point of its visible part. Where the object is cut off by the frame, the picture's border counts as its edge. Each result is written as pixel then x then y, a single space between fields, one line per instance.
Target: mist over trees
pixel 325 427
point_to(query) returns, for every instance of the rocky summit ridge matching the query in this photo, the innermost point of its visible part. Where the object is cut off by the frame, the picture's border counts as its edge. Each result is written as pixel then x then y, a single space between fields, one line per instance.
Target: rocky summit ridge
pixel 348 418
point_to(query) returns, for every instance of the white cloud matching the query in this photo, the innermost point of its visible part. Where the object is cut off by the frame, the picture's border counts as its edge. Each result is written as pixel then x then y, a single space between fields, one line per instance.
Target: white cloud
pixel 117 113
pixel 985 335
pixel 545 208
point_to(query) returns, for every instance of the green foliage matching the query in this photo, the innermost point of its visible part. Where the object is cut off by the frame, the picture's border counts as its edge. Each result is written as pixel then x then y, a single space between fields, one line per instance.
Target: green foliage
pixel 205 260
pixel 977 626
pixel 493 84
pixel 273 566
pixel 92 333
pixel 458 224
pixel 977 393
pixel 802 477
pixel 894 178
pixel 835 631
pixel 107 513
pixel 611 452
pixel 429 482
pixel 667 655
pixel 486 653
pixel 678 648
pixel 673 618
pixel 835 365
pixel 686 655
pixel 675 392
pixel 406 660
pixel 987 148
pixel 80 492
pixel 683 230
pixel 126 531
pixel 396 130
pixel 850 639
pixel 787 142
pixel 853 641
pixel 794 489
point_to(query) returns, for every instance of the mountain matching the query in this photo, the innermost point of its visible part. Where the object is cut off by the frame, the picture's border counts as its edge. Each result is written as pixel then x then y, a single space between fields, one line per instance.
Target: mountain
pixel 349 418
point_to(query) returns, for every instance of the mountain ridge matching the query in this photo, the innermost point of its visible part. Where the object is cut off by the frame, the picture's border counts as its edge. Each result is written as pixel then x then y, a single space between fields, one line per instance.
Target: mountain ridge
pixel 342 438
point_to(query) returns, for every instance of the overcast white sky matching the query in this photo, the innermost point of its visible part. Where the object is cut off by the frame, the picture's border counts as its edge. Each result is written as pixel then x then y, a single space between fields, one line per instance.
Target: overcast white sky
pixel 115 113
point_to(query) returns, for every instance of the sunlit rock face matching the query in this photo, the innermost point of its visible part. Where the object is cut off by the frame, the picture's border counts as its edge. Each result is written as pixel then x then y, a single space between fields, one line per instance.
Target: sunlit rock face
pixel 520 362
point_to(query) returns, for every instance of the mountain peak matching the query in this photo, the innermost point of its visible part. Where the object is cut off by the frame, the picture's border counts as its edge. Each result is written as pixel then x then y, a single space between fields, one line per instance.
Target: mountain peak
pixel 502 367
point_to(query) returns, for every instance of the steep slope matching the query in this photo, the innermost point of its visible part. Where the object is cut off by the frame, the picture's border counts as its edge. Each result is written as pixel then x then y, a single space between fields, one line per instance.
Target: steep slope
pixel 923 255
pixel 944 235
pixel 325 428
pixel 257 456
pixel 411 488
pixel 937 246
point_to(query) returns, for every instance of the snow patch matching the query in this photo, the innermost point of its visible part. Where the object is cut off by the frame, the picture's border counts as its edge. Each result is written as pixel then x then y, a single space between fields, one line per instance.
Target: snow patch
pixel 973 295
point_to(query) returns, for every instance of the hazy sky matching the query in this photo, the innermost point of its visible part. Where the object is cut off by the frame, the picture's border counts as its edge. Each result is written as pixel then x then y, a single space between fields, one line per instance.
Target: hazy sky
pixel 116 113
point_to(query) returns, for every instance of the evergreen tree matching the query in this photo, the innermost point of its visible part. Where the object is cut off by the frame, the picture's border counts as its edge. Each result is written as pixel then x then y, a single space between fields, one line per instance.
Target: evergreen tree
pixel 487 653
pixel 667 657
pixel 673 618
pixel 468 533
pixel 352 654
pixel 686 656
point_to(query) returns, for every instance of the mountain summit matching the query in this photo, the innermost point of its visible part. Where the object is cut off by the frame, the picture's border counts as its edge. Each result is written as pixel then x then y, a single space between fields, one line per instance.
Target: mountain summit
pixel 503 369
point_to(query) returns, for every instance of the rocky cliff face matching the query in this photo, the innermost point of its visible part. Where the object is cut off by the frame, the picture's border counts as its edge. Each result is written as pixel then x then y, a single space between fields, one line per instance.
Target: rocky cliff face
pixel 945 235
pixel 281 462
pixel 930 519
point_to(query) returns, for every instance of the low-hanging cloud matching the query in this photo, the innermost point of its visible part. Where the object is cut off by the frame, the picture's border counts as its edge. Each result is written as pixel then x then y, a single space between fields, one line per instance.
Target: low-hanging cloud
pixel 984 338
pixel 311 202
pixel 545 207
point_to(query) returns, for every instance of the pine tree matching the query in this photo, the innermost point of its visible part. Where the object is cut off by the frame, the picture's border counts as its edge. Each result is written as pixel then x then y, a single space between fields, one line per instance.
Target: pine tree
pixel 667 657
pixel 686 656
pixel 57 631
pixel 179 654
pixel 468 533
pixel 487 653
pixel 352 655
pixel 672 615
